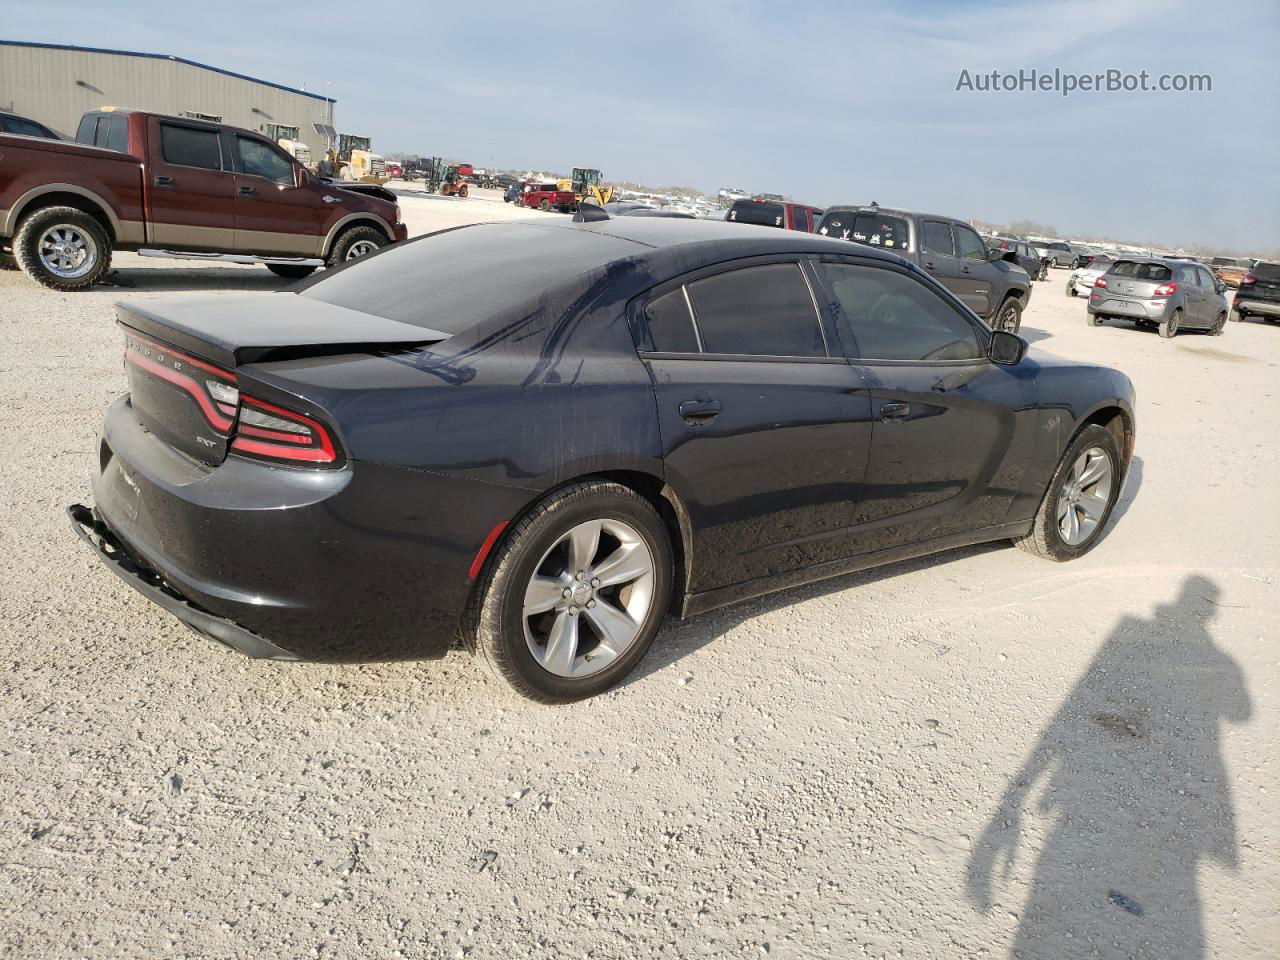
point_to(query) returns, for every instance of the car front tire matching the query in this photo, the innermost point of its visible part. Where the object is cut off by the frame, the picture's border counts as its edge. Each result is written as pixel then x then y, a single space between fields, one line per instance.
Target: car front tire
pixel 356 242
pixel 572 598
pixel 1080 498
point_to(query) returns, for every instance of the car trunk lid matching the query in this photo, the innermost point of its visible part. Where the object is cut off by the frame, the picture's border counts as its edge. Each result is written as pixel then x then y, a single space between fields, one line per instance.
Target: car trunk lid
pixel 1136 279
pixel 181 359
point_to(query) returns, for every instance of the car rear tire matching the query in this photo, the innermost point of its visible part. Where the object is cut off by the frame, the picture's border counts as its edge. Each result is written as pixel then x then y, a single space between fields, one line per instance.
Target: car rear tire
pixel 1009 316
pixel 1095 319
pixel 62 248
pixel 356 242
pixel 290 271
pixel 1237 315
pixel 540 620
pixel 1079 499
pixel 1169 325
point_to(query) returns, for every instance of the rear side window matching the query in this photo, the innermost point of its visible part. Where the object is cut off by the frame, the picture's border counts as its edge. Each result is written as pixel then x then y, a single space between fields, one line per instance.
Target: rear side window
pixel 669 325
pixel 1155 272
pixel 873 229
pixel 189 147
pixel 757 311
pixel 884 315
pixel 937 238
pixel 117 134
pixel 760 214
pixel 84 132
pixel 22 127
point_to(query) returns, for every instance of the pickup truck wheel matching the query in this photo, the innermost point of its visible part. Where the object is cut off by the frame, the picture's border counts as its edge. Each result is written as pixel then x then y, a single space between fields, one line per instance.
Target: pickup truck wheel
pixel 62 248
pixel 290 271
pixel 1009 317
pixel 356 243
pixel 544 204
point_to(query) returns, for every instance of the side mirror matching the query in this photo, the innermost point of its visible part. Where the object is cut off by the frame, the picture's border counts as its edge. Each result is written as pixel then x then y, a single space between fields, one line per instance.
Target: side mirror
pixel 994 254
pixel 1220 287
pixel 1007 348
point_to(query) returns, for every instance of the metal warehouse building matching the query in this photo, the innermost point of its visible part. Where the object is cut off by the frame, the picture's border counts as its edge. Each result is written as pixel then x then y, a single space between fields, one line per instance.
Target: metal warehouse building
pixel 55 84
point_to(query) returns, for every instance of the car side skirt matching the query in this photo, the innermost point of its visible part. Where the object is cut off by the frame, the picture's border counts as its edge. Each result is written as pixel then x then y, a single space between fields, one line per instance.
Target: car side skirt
pixel 694 604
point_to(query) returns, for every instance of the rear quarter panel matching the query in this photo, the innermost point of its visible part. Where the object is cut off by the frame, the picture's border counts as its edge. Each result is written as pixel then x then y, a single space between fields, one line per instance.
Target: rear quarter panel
pixel 32 168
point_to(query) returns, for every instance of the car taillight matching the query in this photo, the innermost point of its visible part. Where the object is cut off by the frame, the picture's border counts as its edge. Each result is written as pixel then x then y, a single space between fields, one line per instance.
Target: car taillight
pixel 1165 290
pixel 268 432
pixel 213 389
pixel 1100 282
pixel 1248 280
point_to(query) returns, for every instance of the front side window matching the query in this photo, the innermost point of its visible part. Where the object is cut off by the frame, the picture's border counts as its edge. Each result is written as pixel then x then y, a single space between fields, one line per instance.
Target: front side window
pixel 937 238
pixel 885 315
pixel 259 160
pixel 189 147
pixel 1206 281
pixel 969 245
pixel 757 311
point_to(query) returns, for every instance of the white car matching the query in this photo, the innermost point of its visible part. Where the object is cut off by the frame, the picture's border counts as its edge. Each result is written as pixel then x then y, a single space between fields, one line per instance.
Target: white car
pixel 1081 280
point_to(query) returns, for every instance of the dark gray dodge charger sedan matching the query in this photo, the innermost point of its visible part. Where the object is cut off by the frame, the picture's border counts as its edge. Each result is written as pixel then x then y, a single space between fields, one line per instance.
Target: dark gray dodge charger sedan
pixel 546 437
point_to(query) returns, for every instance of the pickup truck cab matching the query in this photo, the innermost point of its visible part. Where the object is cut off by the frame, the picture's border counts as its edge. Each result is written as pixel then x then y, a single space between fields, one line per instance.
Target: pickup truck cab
pixel 171 186
pixel 990 283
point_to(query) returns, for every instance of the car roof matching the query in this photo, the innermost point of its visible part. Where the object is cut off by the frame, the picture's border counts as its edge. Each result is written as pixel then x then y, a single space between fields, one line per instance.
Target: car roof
pixel 719 239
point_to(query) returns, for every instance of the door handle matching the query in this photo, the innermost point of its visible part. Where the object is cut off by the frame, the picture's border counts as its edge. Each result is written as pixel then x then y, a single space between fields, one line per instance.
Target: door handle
pixel 697 412
pixel 163 181
pixel 248 192
pixel 928 264
pixel 894 412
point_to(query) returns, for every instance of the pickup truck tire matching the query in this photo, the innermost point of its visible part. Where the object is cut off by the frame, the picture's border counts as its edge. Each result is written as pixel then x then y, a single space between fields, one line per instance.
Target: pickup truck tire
pixel 290 271
pixel 1009 316
pixel 62 248
pixel 354 243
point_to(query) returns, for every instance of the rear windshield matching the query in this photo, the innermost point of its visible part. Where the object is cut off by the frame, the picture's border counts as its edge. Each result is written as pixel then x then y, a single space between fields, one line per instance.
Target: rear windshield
pixel 1156 272
pixel 452 280
pixel 761 214
pixel 873 229
pixel 1099 263
pixel 1267 271
pixel 1225 262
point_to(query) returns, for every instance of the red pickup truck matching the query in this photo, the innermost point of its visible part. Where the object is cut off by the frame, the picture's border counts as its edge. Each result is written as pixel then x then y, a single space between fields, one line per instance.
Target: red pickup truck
pixel 545 196
pixel 170 186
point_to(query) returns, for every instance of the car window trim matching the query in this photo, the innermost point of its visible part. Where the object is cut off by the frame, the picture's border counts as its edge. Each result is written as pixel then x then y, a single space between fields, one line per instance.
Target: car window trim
pixel 635 309
pixel 222 153
pixel 981 330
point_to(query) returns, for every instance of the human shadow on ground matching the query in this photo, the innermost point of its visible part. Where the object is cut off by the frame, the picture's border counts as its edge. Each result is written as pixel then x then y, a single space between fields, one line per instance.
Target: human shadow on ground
pixel 1130 773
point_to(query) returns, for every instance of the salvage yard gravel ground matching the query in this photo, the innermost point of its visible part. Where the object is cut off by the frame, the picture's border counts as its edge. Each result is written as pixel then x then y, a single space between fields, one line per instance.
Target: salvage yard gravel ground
pixel 967 755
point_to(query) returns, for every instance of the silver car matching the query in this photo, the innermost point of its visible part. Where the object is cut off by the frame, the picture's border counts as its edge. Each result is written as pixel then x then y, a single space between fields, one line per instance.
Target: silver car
pixel 1170 295
pixel 1081 280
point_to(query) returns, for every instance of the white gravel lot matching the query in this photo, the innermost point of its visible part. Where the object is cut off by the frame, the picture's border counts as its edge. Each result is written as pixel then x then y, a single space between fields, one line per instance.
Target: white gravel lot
pixel 969 755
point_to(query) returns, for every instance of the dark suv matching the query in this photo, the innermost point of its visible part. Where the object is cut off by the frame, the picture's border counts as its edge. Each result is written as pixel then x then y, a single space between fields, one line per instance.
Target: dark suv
pixel 1259 293
pixel 990 283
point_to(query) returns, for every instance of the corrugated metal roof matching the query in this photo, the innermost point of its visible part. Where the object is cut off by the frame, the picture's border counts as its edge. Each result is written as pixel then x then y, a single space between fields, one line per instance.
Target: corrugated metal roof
pixel 165 56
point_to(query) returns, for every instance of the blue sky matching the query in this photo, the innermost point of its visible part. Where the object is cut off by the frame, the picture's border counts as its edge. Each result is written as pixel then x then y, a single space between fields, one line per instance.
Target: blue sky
pixel 828 102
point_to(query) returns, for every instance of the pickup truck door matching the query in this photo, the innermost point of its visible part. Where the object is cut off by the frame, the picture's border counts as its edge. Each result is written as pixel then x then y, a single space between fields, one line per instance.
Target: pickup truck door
pixel 190 187
pixel 279 208
pixel 939 257
pixel 980 279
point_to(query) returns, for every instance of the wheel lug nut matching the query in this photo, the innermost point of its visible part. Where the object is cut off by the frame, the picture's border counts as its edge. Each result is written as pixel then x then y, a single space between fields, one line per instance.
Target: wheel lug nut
pixel 581 575
pixel 573 611
pixel 595 581
pixel 566 593
pixel 591 604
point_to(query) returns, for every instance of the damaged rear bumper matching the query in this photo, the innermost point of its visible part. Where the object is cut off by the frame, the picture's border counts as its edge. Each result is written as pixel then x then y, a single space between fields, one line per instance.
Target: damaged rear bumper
pixel 152 586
